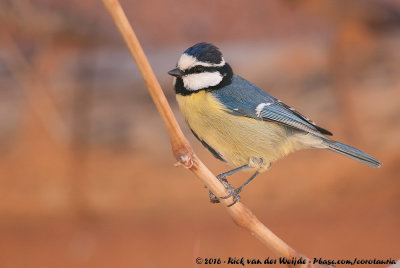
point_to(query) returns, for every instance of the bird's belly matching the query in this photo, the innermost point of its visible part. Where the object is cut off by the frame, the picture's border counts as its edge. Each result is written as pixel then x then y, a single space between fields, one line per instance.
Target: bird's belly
pixel 235 138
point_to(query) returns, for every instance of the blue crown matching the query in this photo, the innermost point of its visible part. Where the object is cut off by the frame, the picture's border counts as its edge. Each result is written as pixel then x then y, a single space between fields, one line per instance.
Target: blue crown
pixel 205 52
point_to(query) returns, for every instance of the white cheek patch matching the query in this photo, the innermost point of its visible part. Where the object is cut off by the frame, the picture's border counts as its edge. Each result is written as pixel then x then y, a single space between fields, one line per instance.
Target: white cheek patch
pixel 174 81
pixel 186 61
pixel 199 81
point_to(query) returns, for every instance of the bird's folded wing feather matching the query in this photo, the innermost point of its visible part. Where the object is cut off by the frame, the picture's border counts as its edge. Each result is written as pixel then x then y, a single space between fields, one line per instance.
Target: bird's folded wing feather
pixel 243 98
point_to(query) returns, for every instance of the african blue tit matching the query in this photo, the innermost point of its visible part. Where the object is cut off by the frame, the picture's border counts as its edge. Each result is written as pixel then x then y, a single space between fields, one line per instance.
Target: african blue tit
pixel 241 124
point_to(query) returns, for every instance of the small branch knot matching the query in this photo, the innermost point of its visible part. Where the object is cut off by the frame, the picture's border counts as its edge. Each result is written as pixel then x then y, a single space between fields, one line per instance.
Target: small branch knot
pixel 185 160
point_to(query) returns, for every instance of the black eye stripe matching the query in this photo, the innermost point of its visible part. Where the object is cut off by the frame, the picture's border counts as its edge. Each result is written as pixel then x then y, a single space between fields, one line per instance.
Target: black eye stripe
pixel 200 69
pixel 225 71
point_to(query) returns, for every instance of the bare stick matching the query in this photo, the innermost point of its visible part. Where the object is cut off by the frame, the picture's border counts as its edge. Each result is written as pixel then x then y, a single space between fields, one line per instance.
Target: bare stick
pixel 182 150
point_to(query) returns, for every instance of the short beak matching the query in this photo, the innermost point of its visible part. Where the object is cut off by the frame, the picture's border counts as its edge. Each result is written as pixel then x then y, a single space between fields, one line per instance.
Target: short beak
pixel 175 72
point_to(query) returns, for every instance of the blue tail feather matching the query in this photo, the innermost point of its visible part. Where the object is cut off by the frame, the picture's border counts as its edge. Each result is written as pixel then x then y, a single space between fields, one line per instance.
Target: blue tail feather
pixel 353 153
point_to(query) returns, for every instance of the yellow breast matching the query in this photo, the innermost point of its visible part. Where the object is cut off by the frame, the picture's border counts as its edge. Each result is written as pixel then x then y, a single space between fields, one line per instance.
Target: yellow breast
pixel 235 138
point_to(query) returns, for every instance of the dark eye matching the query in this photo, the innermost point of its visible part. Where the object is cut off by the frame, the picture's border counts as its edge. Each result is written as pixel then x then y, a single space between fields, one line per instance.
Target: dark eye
pixel 199 68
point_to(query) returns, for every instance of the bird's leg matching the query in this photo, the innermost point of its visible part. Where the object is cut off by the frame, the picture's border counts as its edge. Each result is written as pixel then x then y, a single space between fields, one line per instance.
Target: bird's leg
pixel 222 178
pixel 235 192
pixel 254 162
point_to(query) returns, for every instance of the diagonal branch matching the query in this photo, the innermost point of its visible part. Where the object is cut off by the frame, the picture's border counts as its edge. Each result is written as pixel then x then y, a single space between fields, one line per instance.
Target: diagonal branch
pixel 182 150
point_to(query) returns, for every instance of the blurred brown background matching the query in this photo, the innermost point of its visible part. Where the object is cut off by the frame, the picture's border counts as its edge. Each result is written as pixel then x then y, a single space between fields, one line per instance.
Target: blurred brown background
pixel 86 171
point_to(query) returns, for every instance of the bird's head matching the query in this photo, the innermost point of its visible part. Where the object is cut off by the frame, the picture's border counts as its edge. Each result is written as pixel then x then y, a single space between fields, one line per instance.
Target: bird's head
pixel 201 66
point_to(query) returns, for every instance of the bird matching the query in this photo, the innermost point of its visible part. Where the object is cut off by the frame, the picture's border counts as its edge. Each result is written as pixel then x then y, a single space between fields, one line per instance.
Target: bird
pixel 241 124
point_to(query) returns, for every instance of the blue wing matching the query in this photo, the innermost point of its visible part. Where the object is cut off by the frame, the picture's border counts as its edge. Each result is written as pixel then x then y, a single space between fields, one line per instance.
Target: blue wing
pixel 243 98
